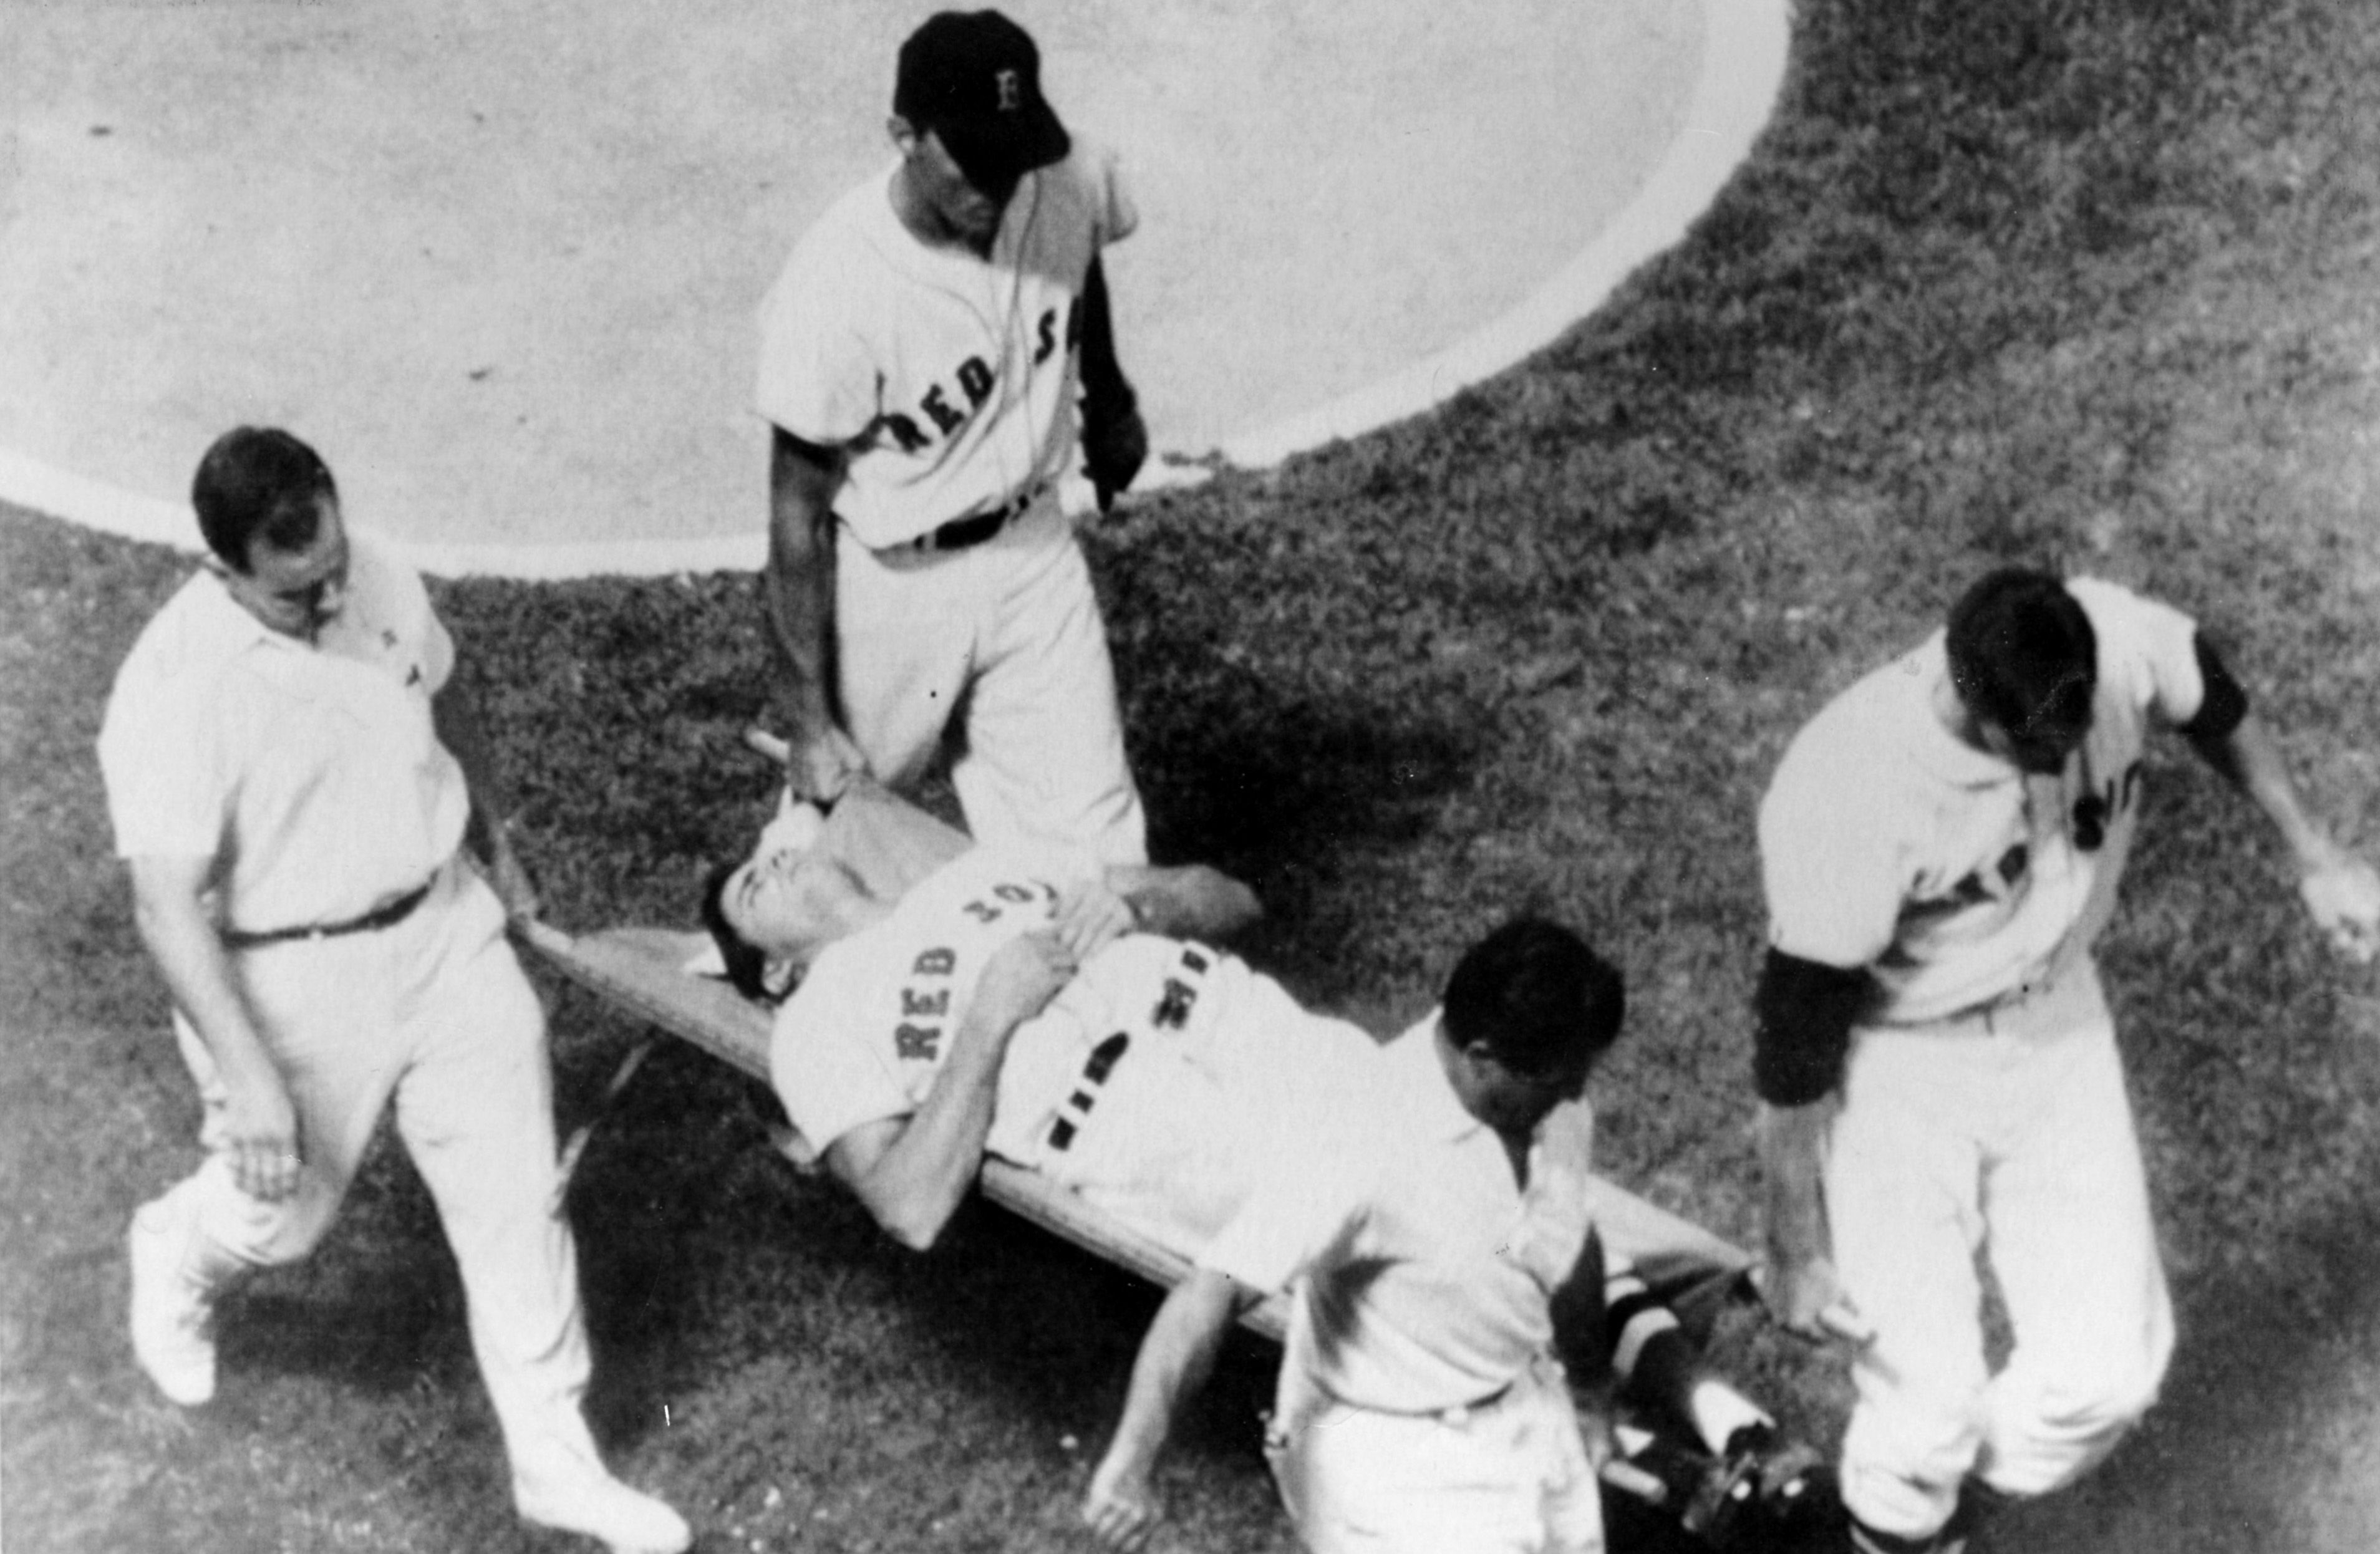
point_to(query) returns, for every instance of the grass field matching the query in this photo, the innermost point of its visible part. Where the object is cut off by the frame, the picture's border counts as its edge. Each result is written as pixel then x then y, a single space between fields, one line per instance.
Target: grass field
pixel 2087 283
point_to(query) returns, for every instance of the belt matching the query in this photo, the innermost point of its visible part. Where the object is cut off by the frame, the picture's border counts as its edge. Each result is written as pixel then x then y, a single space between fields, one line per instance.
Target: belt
pixel 378 917
pixel 961 534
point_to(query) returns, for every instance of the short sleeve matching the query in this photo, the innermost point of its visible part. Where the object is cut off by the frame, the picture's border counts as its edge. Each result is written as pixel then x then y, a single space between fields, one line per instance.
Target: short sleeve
pixel 817 377
pixel 826 1075
pixel 1830 859
pixel 1118 217
pixel 2148 650
pixel 161 757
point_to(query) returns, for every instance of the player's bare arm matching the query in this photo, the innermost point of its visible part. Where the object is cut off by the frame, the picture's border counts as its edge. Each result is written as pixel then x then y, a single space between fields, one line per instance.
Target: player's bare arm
pixel 168 910
pixel 1176 1356
pixel 912 1172
pixel 2340 891
pixel 799 585
pixel 1189 902
pixel 456 712
pixel 1115 441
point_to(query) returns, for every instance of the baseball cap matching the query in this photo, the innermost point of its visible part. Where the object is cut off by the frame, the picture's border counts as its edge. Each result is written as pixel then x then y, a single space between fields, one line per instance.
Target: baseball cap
pixel 973 79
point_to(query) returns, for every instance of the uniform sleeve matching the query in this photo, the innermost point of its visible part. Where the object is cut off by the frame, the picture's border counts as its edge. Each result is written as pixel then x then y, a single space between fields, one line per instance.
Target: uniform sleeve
pixel 826 1075
pixel 1830 860
pixel 160 756
pixel 1118 217
pixel 817 377
pixel 2147 649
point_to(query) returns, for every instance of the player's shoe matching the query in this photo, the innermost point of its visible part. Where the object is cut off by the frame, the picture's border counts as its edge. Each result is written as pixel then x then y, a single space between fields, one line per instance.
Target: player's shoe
pixel 1792 1484
pixel 173 1312
pixel 599 1506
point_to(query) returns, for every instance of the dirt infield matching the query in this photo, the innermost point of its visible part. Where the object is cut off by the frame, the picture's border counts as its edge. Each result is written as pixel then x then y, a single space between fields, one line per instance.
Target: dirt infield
pixel 502 268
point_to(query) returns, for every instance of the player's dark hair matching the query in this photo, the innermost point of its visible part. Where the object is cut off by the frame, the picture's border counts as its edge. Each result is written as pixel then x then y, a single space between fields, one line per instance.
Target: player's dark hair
pixel 2022 655
pixel 259 482
pixel 747 964
pixel 1538 996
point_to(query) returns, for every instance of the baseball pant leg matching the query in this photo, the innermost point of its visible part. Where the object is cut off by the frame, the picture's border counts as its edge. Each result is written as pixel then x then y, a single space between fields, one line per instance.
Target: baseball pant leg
pixel 2075 1254
pixel 1043 758
pixel 1901 1182
pixel 325 1011
pixel 905 650
pixel 476 1110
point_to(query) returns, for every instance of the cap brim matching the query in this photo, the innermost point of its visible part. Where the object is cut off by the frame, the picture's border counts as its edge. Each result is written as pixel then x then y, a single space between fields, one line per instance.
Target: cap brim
pixel 1006 148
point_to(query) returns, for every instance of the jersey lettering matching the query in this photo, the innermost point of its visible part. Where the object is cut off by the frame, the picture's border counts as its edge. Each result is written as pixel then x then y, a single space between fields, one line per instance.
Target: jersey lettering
pixel 903 429
pixel 1014 894
pixel 922 1006
pixel 2096 810
pixel 946 417
pixel 935 963
pixel 981 911
pixel 975 378
pixel 1045 336
pixel 916 1043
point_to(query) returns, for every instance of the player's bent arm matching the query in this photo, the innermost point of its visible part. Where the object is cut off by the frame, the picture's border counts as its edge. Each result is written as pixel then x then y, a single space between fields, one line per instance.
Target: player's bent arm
pixel 799 581
pixel 1804 1011
pixel 1188 902
pixel 1176 1356
pixel 455 712
pixel 912 1172
pixel 169 913
pixel 2340 889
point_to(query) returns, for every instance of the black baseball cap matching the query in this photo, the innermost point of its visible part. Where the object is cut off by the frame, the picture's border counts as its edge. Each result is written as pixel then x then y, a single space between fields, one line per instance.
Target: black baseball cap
pixel 973 79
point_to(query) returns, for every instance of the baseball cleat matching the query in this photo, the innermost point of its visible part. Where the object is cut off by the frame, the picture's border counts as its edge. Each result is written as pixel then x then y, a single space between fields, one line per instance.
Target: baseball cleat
pixel 599 1506
pixel 172 1319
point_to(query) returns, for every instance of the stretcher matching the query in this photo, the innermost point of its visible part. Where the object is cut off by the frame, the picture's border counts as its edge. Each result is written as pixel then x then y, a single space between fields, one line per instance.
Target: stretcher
pixel 643 972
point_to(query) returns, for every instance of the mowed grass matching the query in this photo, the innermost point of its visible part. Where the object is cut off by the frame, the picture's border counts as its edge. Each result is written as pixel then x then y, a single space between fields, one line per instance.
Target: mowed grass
pixel 2090 285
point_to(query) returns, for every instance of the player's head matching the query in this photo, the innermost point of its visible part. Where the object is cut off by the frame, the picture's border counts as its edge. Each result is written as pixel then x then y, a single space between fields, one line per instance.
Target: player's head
pixel 1529 1011
pixel 2024 662
pixel 969 117
pixel 772 914
pixel 269 509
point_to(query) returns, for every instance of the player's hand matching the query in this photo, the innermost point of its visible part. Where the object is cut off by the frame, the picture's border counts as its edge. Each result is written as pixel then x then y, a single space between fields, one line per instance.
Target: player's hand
pixel 1121 1507
pixel 821 766
pixel 1091 916
pixel 260 1134
pixel 1022 977
pixel 2343 896
pixel 1806 1299
pixel 1115 444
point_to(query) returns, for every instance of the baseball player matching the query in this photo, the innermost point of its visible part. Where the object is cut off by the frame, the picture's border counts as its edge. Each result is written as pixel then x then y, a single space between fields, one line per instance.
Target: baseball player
pixel 985 1006
pixel 921 357
pixel 1936 1064
pixel 291 772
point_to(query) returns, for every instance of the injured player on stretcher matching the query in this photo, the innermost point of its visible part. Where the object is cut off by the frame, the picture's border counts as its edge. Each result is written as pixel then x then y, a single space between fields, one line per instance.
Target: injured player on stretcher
pixel 1074 1019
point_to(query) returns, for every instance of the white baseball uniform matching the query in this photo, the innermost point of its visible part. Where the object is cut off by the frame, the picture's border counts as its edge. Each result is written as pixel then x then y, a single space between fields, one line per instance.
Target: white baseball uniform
pixel 1420 1406
pixel 1153 1084
pixel 949 382
pixel 314 779
pixel 1984 1103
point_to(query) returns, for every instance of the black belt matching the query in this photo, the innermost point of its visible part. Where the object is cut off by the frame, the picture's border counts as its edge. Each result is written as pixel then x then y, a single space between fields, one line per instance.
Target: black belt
pixel 959 534
pixel 386 916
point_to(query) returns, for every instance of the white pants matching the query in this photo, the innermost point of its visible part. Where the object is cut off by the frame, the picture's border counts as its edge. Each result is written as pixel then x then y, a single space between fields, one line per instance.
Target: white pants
pixel 434 1012
pixel 1005 638
pixel 1508 1477
pixel 2008 1132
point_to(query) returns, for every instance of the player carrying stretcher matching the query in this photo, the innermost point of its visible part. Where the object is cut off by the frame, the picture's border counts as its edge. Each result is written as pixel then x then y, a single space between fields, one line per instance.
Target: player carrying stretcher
pixel 1073 1020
